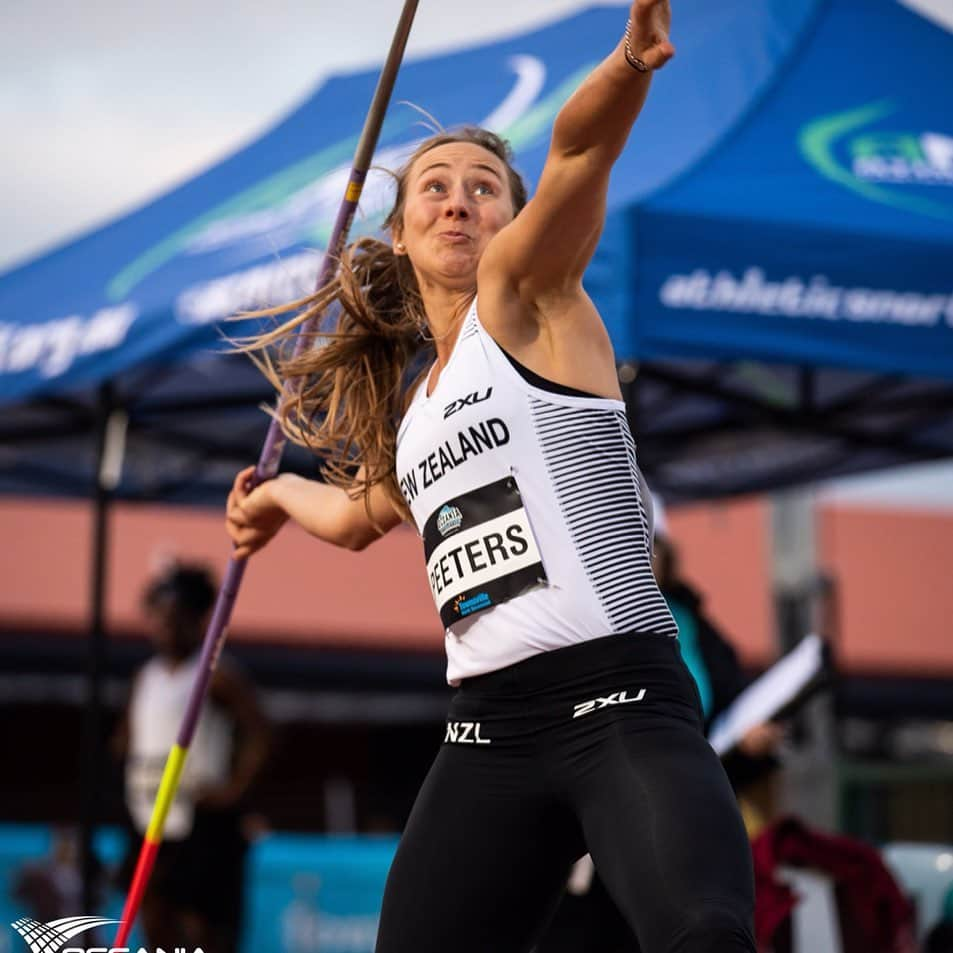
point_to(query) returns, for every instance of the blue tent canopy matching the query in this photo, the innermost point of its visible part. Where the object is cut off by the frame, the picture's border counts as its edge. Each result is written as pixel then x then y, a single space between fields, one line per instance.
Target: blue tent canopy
pixel 820 230
pixel 775 270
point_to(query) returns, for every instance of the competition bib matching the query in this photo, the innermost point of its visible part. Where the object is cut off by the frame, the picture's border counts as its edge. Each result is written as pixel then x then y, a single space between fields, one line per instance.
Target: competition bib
pixel 480 551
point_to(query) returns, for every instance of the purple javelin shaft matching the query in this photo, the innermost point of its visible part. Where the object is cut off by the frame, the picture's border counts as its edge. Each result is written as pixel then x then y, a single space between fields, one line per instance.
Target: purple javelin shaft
pixel 274 444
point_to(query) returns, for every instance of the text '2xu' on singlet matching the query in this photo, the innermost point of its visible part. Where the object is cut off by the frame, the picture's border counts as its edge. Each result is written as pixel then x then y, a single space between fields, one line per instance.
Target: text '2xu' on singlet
pixel 530 510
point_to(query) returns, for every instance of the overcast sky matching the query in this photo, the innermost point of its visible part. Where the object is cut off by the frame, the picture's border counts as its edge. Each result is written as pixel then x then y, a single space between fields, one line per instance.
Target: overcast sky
pixel 110 103
pixel 108 107
pixel 104 109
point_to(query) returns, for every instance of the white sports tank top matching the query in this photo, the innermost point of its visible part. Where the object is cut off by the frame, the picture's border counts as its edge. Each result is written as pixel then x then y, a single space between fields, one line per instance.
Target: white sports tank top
pixel 529 504
pixel 155 714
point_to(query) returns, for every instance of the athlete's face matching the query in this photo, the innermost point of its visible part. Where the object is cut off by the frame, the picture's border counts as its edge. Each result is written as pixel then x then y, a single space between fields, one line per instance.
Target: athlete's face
pixel 458 198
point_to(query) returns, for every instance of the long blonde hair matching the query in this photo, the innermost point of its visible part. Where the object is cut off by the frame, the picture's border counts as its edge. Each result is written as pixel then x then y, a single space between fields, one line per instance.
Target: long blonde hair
pixel 349 383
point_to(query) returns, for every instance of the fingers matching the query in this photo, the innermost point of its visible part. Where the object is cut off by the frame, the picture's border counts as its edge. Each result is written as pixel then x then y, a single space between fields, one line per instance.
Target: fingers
pixel 242 529
pixel 642 7
pixel 240 536
pixel 650 23
pixel 246 503
pixel 236 518
pixel 246 541
pixel 242 484
pixel 252 517
pixel 239 522
pixel 657 56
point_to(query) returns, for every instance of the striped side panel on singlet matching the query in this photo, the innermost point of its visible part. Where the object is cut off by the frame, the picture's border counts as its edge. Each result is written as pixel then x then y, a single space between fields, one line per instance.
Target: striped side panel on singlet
pixel 590 456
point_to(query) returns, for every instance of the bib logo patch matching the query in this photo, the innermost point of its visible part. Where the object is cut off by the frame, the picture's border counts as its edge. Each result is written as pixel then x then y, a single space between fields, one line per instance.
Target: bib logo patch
pixel 449 520
pixel 464 606
pixel 481 551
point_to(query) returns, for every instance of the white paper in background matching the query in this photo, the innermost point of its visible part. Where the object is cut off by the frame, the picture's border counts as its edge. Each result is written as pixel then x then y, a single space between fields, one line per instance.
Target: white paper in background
pixel 767 695
pixel 815 924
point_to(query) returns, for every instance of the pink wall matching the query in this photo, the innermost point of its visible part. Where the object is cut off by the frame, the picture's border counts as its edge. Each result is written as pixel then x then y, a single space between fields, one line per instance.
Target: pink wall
pixel 296 590
pixel 893 571
pixel 725 553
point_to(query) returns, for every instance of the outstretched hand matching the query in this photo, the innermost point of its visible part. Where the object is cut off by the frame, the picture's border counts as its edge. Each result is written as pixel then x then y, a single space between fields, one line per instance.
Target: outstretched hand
pixel 251 516
pixel 651 21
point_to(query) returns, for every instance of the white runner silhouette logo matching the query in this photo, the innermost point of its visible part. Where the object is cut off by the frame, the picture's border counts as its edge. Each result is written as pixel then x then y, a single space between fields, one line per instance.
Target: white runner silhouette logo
pixel 49 937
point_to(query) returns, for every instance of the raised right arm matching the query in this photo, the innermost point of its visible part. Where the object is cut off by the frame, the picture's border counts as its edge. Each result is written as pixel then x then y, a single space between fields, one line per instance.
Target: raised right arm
pixel 324 511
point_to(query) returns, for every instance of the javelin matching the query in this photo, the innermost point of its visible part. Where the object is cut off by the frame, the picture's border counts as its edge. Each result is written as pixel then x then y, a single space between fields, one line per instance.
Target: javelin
pixel 266 468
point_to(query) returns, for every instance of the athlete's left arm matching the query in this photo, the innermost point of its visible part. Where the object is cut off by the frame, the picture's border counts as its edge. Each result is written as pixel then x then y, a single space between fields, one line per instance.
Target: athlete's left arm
pixel 547 247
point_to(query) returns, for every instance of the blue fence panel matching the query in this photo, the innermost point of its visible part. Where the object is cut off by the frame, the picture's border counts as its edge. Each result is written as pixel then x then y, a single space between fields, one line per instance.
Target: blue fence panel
pixel 304 893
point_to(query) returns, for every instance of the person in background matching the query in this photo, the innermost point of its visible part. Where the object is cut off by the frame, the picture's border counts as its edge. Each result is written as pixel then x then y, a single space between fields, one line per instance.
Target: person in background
pixel 587 920
pixel 195 894
pixel 752 767
pixel 52 887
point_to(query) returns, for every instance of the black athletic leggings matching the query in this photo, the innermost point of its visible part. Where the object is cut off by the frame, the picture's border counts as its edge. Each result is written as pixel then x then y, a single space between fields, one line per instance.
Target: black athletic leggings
pixel 595 747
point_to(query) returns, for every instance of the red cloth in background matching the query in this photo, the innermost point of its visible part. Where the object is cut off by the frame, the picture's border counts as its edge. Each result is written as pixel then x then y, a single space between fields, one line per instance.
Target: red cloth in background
pixel 875 916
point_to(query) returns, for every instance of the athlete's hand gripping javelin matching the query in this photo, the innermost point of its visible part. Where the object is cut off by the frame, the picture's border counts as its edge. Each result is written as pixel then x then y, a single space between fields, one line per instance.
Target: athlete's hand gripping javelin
pixel 329 513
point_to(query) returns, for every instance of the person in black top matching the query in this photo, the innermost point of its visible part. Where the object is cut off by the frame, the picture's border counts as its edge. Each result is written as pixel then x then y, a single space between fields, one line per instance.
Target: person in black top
pixel 712 660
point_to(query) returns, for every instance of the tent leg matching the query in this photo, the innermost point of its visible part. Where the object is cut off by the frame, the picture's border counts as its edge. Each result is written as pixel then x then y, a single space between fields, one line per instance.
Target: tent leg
pixel 110 441
pixel 807 783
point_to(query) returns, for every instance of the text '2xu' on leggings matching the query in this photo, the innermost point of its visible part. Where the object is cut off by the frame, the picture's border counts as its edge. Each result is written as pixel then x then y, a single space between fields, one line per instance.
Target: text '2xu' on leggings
pixel 595 747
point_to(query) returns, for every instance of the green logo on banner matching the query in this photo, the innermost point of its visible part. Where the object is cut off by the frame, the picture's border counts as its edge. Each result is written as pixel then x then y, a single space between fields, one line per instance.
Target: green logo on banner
pixel 891 167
